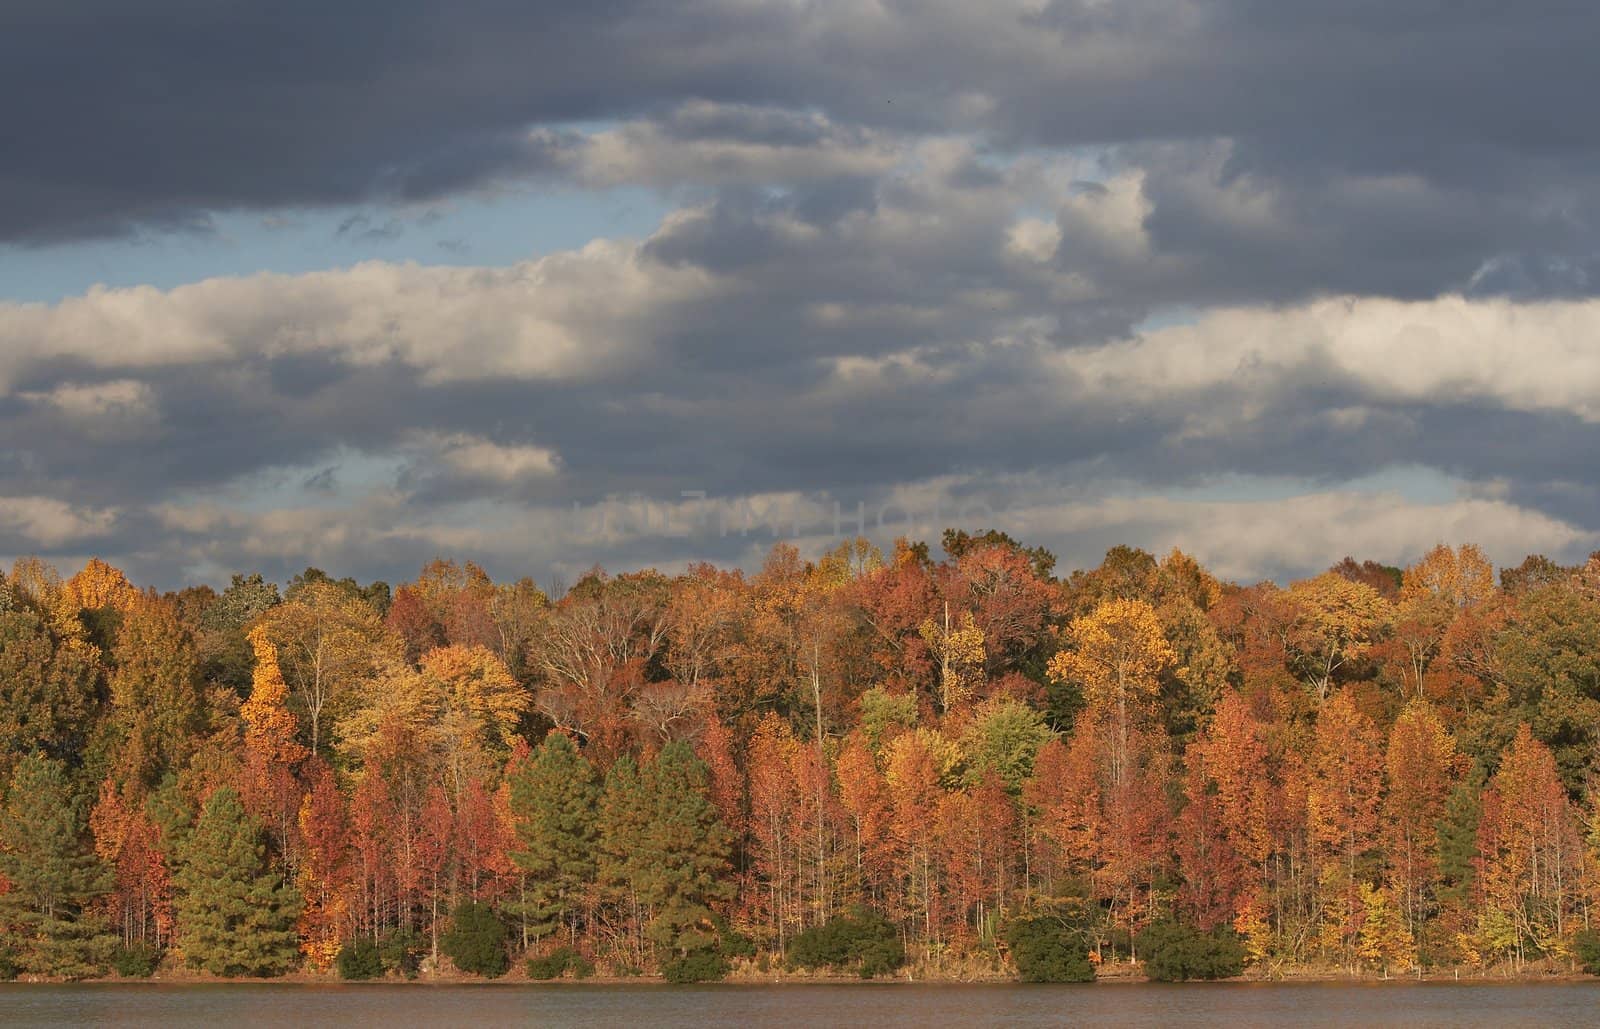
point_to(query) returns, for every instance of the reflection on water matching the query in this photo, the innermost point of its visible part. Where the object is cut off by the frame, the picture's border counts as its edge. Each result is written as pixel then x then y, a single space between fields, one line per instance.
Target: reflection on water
pixel 1236 1005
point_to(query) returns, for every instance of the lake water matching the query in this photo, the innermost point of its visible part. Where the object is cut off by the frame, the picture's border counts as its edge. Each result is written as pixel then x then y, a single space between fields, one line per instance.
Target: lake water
pixel 1236 1005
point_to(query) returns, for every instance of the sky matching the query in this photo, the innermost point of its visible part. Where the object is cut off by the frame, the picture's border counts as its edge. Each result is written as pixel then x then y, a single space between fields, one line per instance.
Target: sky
pixel 547 285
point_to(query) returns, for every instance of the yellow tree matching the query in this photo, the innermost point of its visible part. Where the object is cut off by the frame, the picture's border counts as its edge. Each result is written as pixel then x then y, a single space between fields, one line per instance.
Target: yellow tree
pixel 269 790
pixel 702 616
pixel 98 586
pixel 958 650
pixel 478 703
pixel 1116 655
pixel 792 632
pixel 1591 842
pixel 329 642
pixel 396 700
pixel 1463 577
pixel 1422 765
pixel 38 581
pixel 1180 577
pixel 795 627
pixel 1202 664
pixel 1334 621
pixel 1434 592
pixel 270 726
pixel 1384 940
pixel 776 805
pixel 459 712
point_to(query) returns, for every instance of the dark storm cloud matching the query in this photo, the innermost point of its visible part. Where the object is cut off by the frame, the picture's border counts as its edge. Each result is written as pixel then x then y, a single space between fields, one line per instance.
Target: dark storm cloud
pixel 119 116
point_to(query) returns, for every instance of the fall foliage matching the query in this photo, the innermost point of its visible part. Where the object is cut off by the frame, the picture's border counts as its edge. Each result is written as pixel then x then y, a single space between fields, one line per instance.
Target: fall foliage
pixel 1376 769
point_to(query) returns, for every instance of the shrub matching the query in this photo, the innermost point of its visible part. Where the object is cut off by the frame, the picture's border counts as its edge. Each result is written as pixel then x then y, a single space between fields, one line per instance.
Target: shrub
pixel 401 952
pixel 559 962
pixel 8 967
pixel 706 966
pixel 476 941
pixel 550 966
pixel 1586 945
pixel 1045 950
pixel 359 959
pixel 735 944
pixel 1174 952
pixel 865 943
pixel 136 961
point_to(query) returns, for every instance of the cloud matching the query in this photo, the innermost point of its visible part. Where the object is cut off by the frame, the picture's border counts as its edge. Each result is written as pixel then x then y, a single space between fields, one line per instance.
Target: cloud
pixel 1441 352
pixel 478 458
pixel 1329 124
pixel 97 408
pixel 1293 536
pixel 706 145
pixel 747 347
pixel 544 319
pixel 1282 534
pixel 1109 266
pixel 45 522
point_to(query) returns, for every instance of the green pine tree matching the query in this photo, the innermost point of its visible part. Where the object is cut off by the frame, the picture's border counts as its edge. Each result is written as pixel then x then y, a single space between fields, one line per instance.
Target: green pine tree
pixel 54 874
pixel 236 915
pixel 624 823
pixel 1458 840
pixel 684 860
pixel 554 798
pixel 170 808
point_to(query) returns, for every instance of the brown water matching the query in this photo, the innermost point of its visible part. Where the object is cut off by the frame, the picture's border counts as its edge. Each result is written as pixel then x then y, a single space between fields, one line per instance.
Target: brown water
pixel 1236 1005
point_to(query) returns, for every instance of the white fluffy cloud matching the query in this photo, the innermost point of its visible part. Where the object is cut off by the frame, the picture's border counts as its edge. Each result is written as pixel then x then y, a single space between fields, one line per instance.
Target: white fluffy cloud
pixel 476 457
pixel 1524 356
pixel 45 522
pixel 570 315
pixel 1245 539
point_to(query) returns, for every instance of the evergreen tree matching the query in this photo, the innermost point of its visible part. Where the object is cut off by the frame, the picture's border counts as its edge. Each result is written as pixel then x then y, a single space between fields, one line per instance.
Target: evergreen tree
pixel 1458 840
pixel 554 798
pixel 53 874
pixel 684 859
pixel 236 915
pixel 1046 949
pixel 476 942
pixel 624 821
pixel 1174 952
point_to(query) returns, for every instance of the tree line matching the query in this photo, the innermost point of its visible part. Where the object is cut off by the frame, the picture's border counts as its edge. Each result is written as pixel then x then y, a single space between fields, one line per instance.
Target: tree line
pixel 965 764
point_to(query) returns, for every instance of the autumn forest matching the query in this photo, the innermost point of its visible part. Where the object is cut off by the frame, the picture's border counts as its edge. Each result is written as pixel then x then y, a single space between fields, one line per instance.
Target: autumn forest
pixel 951 762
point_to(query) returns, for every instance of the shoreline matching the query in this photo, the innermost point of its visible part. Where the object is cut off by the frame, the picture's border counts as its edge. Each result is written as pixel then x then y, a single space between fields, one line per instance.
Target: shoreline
pixel 1292 978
